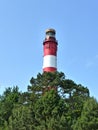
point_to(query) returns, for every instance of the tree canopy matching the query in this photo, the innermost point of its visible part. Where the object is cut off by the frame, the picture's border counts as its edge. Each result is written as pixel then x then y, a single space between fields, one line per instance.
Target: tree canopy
pixel 51 102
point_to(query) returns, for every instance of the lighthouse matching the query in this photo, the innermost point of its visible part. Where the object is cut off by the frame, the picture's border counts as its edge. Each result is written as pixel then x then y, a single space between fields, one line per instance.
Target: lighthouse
pixel 50 51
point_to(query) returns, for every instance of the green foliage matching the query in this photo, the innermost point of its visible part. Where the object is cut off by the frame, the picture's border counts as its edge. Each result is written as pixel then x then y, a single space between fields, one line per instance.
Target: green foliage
pixel 7 101
pixel 49 111
pixel 89 116
pixel 21 119
pixel 52 102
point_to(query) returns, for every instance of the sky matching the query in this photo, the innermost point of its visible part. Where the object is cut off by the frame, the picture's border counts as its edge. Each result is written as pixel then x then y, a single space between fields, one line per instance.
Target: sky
pixel 22 31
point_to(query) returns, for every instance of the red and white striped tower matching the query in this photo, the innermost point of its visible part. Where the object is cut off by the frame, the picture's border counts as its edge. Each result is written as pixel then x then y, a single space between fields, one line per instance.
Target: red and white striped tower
pixel 50 51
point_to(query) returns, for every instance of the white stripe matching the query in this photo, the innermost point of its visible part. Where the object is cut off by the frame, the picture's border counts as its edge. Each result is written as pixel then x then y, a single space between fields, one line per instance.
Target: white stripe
pixel 50 61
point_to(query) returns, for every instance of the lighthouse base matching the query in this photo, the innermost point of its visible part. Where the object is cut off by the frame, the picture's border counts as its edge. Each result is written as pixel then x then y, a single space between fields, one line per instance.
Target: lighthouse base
pixel 49 69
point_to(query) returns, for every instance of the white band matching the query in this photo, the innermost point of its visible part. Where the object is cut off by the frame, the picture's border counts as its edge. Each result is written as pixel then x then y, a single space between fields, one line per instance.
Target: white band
pixel 50 61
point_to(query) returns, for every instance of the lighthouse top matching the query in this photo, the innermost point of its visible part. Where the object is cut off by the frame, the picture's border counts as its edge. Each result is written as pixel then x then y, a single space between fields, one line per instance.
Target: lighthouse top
pixel 50 33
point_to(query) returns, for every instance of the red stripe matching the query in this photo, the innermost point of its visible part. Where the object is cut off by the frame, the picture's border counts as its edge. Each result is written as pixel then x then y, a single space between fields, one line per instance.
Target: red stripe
pixel 49 69
pixel 50 48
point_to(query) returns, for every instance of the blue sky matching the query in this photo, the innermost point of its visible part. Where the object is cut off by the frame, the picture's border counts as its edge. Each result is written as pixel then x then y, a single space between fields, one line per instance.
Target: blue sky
pixel 22 31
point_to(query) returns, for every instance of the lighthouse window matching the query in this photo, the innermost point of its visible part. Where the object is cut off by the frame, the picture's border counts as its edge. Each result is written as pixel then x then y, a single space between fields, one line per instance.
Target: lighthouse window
pixel 51 34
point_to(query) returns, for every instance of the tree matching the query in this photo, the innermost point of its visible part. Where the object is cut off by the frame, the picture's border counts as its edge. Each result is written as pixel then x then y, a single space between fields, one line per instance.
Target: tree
pixel 49 112
pixel 45 81
pixel 52 102
pixel 89 116
pixel 21 119
pixel 7 101
pixel 73 95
